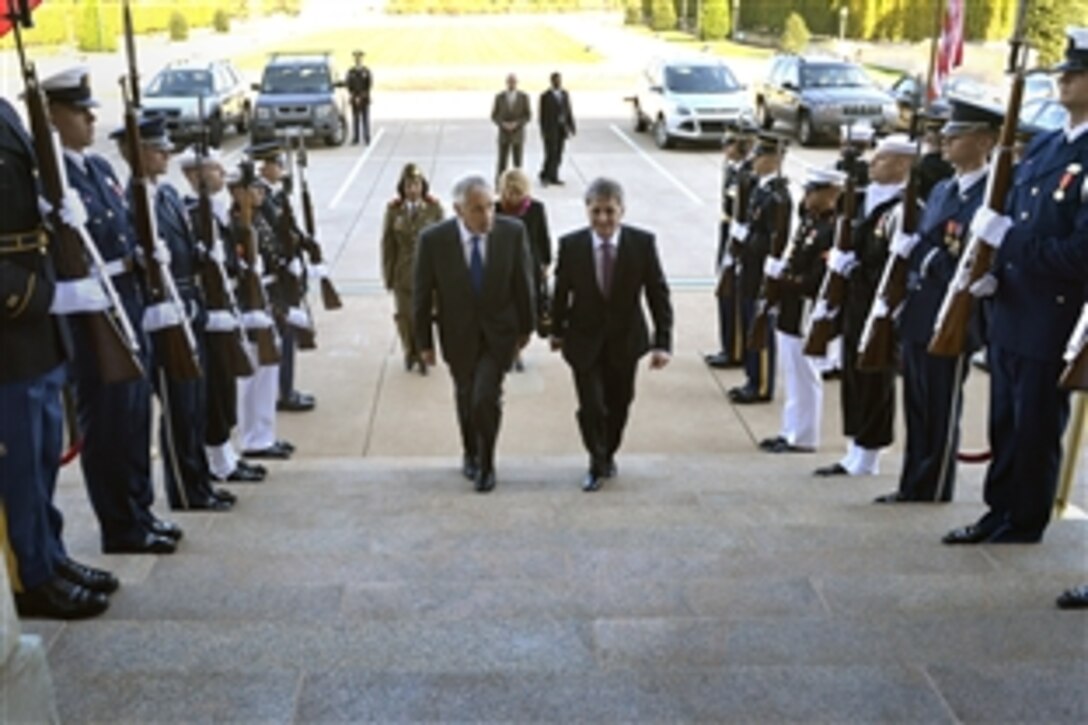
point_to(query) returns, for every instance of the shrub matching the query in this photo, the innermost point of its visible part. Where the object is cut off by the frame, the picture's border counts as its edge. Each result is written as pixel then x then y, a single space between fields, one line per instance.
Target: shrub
pixel 795 35
pixel 97 30
pixel 663 15
pixel 632 14
pixel 179 26
pixel 715 21
pixel 221 23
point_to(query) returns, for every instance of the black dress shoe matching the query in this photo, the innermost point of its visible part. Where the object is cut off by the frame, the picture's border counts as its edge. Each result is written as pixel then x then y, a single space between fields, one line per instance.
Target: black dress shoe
pixel 224 495
pixel 243 475
pixel 150 544
pixel 296 403
pixel 831 374
pixel 166 528
pixel 894 497
pixel 721 361
pixel 592 482
pixel 96 580
pixel 1075 598
pixel 746 396
pixel 610 470
pixel 1009 534
pixel 769 444
pixel 252 467
pixel 469 467
pixel 835 469
pixel 60 599
pixel 972 533
pixel 274 451
pixel 286 445
pixel 209 503
pixel 557 181
pixel 784 446
pixel 485 481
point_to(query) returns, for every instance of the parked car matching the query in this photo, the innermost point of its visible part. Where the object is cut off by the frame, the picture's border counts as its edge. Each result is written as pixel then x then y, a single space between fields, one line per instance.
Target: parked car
pixel 300 92
pixel 1044 114
pixel 817 96
pixel 690 98
pixel 175 93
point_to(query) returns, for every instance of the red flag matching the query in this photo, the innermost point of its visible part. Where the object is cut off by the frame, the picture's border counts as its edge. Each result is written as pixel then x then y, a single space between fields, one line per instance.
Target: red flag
pixel 950 45
pixel 6 8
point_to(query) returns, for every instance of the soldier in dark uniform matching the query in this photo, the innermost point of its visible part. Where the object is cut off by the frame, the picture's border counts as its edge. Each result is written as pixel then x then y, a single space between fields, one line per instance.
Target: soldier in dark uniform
pixel 1041 271
pixel 359 81
pixel 118 482
pixel 800 273
pixel 932 166
pixel 932 385
pixel 769 212
pixel 273 179
pixel 737 147
pixel 868 398
pixel 32 370
pixel 183 421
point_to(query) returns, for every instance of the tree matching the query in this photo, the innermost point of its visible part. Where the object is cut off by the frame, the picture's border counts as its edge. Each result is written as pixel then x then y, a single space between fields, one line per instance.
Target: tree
pixel 715 22
pixel 795 35
pixel 1046 23
pixel 633 12
pixel 95 32
pixel 664 15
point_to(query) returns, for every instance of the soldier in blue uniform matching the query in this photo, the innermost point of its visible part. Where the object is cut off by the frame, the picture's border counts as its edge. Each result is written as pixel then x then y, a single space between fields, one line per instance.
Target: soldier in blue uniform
pixel 1041 270
pixel 118 481
pixel 186 474
pixel 769 212
pixel 32 370
pixel 737 145
pixel 933 385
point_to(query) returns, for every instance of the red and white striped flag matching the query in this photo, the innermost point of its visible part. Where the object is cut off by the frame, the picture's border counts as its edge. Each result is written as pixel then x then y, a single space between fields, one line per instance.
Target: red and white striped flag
pixel 6 11
pixel 950 45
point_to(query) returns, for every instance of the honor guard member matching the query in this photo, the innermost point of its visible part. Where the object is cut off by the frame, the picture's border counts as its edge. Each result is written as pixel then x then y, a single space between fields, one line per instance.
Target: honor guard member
pixel 412 210
pixel 118 483
pixel 1041 270
pixel 222 398
pixel 32 370
pixel 932 166
pixel 769 210
pixel 800 273
pixel 257 393
pixel 868 398
pixel 273 175
pixel 184 406
pixel 359 81
pixel 737 148
pixel 933 385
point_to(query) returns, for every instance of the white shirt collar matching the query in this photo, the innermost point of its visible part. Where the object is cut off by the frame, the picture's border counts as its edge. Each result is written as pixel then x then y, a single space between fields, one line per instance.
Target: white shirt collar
pixel 878 194
pixel 598 241
pixel 966 181
pixel 76 157
pixel 765 181
pixel 466 241
pixel 1073 133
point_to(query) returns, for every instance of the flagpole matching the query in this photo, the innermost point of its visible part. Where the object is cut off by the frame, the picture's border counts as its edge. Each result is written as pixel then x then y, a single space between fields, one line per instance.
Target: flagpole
pixel 937 30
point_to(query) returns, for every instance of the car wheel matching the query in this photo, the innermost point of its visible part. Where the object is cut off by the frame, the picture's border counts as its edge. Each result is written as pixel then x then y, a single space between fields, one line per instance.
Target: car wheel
pixel 340 135
pixel 763 116
pixel 243 120
pixel 806 134
pixel 661 135
pixel 215 131
pixel 640 120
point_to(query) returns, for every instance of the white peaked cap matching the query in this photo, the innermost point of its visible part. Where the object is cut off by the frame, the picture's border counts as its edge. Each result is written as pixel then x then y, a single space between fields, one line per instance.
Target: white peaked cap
pixel 897 143
pixel 816 176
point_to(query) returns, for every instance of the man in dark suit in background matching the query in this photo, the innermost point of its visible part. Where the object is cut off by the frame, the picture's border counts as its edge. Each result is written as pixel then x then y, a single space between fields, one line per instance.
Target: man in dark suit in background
pixel 602 273
pixel 478 270
pixel 511 112
pixel 556 125
pixel 358 82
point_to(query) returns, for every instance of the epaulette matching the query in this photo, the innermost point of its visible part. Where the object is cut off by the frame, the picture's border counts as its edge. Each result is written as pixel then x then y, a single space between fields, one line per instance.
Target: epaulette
pixel 395 202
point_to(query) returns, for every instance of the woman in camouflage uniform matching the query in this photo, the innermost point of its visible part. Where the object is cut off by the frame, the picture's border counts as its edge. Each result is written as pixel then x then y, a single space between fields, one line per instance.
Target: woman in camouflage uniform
pixel 410 212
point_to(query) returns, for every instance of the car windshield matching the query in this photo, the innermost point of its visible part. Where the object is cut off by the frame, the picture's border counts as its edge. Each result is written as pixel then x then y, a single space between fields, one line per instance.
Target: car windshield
pixel 700 79
pixel 296 79
pixel 1049 115
pixel 827 75
pixel 181 83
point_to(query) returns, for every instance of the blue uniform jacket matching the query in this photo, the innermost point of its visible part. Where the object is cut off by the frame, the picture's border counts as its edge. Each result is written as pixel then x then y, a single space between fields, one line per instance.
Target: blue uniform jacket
pixel 1042 266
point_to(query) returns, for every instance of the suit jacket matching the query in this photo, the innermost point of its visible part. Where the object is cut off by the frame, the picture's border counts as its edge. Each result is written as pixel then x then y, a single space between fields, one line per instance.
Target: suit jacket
pixel 503 312
pixel 589 324
pixel 556 116
pixel 1042 265
pixel 536 226
pixel 502 111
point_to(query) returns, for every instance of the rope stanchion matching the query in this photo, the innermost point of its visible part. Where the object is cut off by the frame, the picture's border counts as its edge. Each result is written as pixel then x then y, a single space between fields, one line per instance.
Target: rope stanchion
pixel 1073 449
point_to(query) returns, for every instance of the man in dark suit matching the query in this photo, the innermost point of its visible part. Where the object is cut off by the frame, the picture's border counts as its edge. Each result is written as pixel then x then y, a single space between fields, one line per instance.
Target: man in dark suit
pixel 358 82
pixel 601 276
pixel 511 112
pixel 556 126
pixel 477 269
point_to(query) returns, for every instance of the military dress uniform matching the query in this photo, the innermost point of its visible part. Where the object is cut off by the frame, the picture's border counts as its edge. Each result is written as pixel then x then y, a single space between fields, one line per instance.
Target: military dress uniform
pixel 730 327
pixel 400 233
pixel 1041 267
pixel 359 81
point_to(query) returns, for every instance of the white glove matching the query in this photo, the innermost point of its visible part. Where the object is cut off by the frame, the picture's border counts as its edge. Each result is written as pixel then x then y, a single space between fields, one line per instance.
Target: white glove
pixel 318 271
pixel 217 253
pixel 79 295
pixel 295 268
pixel 161 316
pixel 990 227
pixel 297 317
pixel 221 321
pixel 774 267
pixel 984 286
pixel 821 311
pixel 842 263
pixel 904 244
pixel 161 253
pixel 739 232
pixel 72 211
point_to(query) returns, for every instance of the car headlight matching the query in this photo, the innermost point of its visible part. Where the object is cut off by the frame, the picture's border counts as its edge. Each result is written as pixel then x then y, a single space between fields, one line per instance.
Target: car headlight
pixel 891 110
pixel 683 111
pixel 263 113
pixel 324 111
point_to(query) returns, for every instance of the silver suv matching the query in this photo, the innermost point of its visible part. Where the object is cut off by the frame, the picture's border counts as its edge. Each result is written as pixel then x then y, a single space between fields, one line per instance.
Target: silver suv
pixel 175 93
pixel 818 96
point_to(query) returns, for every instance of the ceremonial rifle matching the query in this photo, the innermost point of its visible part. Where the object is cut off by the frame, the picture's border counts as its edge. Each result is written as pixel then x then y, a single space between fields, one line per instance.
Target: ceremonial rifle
pixel 833 288
pixel 252 298
pixel 1075 376
pixel 330 298
pixel 116 346
pixel 950 330
pixel 727 273
pixel 771 292
pixel 289 236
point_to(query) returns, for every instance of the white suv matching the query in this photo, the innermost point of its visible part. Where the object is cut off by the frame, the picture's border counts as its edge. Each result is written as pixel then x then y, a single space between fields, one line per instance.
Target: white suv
pixel 688 98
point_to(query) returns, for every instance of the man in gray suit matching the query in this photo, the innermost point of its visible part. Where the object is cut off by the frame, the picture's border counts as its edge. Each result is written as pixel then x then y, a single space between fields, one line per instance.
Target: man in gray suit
pixel 476 270
pixel 510 112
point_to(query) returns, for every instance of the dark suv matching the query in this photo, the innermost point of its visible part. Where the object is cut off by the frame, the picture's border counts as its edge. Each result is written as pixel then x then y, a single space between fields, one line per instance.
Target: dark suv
pixel 175 93
pixel 300 92
pixel 817 96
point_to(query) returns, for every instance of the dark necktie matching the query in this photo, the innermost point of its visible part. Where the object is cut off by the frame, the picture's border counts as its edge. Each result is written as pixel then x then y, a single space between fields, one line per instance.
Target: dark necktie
pixel 476 266
pixel 607 261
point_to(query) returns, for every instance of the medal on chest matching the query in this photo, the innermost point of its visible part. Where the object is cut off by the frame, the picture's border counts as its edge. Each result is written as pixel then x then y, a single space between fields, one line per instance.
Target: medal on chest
pixel 953 237
pixel 1071 173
